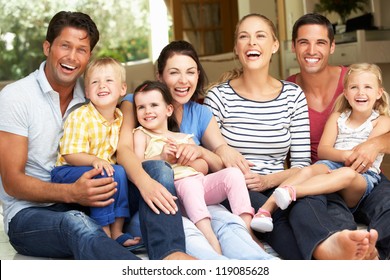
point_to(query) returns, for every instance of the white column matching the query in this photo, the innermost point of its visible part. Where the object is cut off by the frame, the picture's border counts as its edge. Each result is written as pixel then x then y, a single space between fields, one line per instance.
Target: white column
pixel 158 26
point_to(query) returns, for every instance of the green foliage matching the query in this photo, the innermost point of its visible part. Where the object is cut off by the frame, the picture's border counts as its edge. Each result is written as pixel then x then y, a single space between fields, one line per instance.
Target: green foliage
pixel 128 50
pixel 124 32
pixel 342 7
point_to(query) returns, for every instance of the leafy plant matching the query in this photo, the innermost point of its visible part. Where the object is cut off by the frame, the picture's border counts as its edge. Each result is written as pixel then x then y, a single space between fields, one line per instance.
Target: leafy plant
pixel 342 7
pixel 123 26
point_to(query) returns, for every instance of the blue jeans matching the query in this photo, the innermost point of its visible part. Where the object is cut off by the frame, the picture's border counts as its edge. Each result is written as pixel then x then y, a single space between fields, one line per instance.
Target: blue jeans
pixel 234 238
pixel 374 211
pixel 281 238
pixel 64 231
pixel 61 231
pixel 162 234
pixel 325 215
pixel 102 215
pixel 314 218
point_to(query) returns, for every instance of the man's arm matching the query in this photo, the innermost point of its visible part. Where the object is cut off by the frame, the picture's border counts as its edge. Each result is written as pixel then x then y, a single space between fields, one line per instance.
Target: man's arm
pixel 86 191
pixel 367 151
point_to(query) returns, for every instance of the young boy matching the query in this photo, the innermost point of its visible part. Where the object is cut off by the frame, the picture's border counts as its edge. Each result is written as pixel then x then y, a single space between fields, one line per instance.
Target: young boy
pixel 90 140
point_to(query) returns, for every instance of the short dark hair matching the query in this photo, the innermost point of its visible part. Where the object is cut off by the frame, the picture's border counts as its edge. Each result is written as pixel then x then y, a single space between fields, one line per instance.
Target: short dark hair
pixel 72 19
pixel 313 18
pixel 183 48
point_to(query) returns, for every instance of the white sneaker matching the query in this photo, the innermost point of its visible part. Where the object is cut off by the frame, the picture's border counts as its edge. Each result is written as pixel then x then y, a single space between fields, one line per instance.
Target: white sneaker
pixel 261 222
pixel 282 196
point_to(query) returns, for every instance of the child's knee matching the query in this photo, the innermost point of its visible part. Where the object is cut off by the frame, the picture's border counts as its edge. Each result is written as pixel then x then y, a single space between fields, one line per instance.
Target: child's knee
pixel 234 174
pixel 307 172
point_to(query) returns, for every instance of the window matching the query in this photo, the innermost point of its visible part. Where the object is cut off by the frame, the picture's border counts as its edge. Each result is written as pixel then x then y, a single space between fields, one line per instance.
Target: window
pixel 208 24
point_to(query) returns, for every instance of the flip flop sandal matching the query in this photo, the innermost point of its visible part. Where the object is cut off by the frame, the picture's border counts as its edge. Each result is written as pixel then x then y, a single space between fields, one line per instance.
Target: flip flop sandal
pixel 126 236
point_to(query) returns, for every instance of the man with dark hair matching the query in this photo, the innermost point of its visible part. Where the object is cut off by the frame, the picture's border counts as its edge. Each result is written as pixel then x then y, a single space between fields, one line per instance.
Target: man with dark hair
pixel 46 219
pixel 332 226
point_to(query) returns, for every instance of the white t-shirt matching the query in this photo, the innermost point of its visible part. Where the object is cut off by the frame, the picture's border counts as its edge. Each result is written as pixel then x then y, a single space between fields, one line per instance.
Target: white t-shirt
pixel 31 108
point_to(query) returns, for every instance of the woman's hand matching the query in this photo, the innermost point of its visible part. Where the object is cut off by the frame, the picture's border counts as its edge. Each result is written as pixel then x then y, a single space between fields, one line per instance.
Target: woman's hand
pixel 157 197
pixel 232 158
pixel 257 182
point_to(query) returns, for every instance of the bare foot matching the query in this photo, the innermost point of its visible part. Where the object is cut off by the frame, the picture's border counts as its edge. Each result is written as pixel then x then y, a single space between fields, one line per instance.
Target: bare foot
pixel 344 245
pixel 179 256
pixel 372 252
pixel 131 242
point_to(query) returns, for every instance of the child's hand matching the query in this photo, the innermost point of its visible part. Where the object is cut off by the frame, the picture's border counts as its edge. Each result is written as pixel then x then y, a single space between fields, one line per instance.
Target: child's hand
pixel 187 153
pixel 105 165
pixel 169 151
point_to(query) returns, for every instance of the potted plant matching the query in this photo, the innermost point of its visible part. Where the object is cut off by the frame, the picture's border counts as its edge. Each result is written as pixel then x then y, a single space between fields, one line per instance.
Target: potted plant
pixel 342 7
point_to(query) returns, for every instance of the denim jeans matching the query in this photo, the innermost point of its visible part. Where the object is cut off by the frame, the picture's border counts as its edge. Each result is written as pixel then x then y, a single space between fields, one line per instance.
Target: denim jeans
pixel 325 215
pixel 234 238
pixel 102 215
pixel 64 231
pixel 315 218
pixel 60 231
pixel 282 238
pixel 162 234
pixel 306 223
pixel 374 211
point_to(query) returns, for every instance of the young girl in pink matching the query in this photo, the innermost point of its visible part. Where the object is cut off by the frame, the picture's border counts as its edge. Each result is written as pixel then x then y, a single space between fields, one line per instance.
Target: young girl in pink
pixel 158 137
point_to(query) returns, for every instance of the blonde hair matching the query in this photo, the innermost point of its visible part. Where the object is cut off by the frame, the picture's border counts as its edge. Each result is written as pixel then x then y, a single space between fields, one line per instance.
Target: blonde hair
pixel 260 16
pixel 103 62
pixel 237 72
pixel 381 105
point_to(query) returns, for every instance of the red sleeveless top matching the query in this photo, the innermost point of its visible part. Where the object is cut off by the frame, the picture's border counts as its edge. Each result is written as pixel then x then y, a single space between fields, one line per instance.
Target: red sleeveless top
pixel 318 119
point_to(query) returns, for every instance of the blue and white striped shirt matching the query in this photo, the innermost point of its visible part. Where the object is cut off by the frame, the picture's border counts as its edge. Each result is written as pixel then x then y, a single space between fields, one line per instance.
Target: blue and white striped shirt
pixel 264 132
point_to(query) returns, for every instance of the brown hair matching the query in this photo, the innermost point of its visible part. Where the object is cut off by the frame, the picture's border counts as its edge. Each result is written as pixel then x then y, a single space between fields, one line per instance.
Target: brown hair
pixel 76 20
pixel 183 48
pixel 163 89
